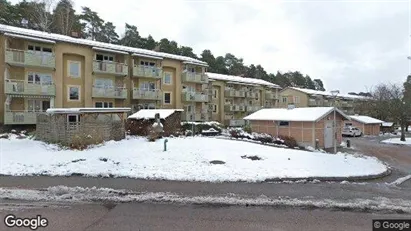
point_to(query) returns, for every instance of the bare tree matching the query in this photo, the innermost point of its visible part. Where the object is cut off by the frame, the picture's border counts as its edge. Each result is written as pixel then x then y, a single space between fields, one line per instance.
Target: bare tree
pixel 41 13
pixel 389 104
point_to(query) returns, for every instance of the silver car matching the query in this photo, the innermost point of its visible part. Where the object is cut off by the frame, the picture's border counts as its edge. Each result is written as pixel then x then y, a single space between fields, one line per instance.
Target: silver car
pixel 351 131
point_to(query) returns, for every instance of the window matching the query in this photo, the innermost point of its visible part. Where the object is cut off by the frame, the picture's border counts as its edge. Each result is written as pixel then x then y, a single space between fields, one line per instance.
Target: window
pixel 73 118
pixel 74 69
pixel 284 123
pixel 148 64
pixel 167 78
pixel 101 57
pixel 296 99
pixel 167 98
pixel 284 99
pixel 104 104
pixel 215 94
pixel 39 78
pixel 189 89
pixel 215 108
pixel 148 86
pixel 74 93
pixel 250 102
pixel 47 49
pixel 37 48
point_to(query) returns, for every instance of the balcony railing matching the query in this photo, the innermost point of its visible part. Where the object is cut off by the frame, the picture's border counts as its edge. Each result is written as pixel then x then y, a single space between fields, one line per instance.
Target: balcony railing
pixel 146 71
pixel 251 95
pixel 104 67
pixel 30 58
pixel 234 108
pixel 21 87
pixel 236 122
pixel 110 92
pixel 20 117
pixel 234 93
pixel 187 116
pixel 192 77
pixel 194 97
pixel 153 94
pixel 252 108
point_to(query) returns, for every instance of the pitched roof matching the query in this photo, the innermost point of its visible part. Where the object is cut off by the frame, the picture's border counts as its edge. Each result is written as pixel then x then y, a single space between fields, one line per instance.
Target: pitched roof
pixel 366 119
pixel 239 79
pixel 33 34
pixel 86 110
pixel 150 113
pixel 325 93
pixel 307 114
pixel 387 124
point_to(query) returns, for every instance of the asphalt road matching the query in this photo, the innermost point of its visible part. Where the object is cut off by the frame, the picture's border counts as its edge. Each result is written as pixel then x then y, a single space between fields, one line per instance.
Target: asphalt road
pixel 134 216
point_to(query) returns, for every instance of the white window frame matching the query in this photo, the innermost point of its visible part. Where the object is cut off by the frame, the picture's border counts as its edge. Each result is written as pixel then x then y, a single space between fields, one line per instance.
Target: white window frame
pixel 69 62
pixel 284 99
pixel 147 63
pixel 171 78
pixel 108 56
pixel 147 86
pixel 41 78
pixel 104 104
pixel 164 97
pixel 68 93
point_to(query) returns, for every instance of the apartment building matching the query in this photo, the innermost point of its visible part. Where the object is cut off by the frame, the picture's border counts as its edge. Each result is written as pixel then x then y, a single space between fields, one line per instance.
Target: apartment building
pixel 300 97
pixel 44 70
pixel 234 97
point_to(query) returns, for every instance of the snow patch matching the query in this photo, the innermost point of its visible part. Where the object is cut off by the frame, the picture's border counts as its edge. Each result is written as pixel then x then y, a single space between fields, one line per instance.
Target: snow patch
pixel 398 141
pixel 401 180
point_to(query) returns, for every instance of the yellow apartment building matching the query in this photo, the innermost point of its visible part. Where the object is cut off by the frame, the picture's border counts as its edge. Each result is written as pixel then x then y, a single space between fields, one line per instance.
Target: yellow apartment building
pixel 300 97
pixel 234 97
pixel 42 70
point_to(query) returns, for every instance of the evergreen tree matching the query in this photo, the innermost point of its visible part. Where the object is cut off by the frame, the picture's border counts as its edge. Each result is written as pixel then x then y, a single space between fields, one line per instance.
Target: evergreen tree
pixel 93 24
pixel 65 21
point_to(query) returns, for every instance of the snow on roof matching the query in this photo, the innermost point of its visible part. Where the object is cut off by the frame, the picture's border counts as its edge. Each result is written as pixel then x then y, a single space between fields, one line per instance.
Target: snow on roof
pixel 86 110
pixel 63 38
pixel 366 119
pixel 307 114
pixel 387 124
pixel 150 113
pixel 325 93
pixel 29 38
pixel 239 79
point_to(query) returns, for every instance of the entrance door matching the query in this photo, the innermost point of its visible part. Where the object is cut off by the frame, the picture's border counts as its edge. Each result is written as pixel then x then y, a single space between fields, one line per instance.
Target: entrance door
pixel 46 105
pixel 328 134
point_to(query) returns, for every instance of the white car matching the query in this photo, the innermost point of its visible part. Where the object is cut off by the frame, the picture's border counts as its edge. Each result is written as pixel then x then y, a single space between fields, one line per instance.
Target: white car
pixel 351 131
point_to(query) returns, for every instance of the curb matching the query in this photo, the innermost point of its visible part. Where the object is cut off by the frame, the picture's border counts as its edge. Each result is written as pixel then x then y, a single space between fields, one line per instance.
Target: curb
pixel 337 179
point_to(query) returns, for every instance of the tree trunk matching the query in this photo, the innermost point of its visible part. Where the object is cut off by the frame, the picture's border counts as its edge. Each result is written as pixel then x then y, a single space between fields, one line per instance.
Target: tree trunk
pixel 402 132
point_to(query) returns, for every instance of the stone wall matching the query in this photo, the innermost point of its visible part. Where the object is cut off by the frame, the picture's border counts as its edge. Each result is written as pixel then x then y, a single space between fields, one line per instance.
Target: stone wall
pixel 56 129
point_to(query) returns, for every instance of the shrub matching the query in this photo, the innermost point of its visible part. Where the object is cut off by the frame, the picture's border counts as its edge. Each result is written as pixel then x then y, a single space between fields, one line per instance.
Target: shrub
pixel 247 128
pixel 262 137
pixel 81 141
pixel 234 133
pixel 289 141
pixel 198 127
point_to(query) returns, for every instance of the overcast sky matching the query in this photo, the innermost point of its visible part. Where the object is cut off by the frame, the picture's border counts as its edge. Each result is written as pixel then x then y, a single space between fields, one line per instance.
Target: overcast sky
pixel 350 45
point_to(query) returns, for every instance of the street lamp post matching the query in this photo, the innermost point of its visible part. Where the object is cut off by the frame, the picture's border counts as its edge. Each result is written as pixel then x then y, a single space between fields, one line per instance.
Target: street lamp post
pixel 334 94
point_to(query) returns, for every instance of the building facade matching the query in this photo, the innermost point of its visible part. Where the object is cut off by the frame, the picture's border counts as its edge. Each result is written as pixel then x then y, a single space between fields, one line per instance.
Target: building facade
pixel 234 97
pixel 299 97
pixel 43 70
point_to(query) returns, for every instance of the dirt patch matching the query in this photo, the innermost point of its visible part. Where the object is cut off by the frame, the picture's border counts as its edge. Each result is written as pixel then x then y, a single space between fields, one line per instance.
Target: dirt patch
pixel 251 157
pixel 217 162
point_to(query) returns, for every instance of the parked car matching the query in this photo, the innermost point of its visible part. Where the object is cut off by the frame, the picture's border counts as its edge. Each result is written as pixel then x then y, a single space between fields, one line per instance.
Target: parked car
pixel 351 131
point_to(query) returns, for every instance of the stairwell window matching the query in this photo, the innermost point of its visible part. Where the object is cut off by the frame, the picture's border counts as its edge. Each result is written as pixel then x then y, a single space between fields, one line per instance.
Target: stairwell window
pixel 73 93
pixel 167 98
pixel 74 69
pixel 167 78
pixel 215 94
pixel 215 109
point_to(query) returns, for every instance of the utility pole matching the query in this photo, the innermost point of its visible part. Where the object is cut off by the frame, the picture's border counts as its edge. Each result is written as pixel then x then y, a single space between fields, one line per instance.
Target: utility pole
pixel 334 94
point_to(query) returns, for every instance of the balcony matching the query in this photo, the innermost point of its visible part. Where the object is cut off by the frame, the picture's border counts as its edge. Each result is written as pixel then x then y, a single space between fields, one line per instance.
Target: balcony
pixel 253 108
pixel 111 92
pixel 146 94
pixel 112 68
pixel 30 58
pixel 191 77
pixel 147 72
pixel 270 96
pixel 187 116
pixel 234 108
pixel 234 93
pixel 251 95
pixel 21 87
pixel 194 97
pixel 20 117
pixel 313 103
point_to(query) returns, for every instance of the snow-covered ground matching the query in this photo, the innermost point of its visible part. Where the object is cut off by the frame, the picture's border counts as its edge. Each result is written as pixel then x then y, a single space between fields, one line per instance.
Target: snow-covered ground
pixel 398 141
pixel 186 159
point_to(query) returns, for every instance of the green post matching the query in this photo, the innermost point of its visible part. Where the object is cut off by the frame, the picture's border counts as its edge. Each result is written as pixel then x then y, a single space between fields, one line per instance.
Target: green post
pixel 165 144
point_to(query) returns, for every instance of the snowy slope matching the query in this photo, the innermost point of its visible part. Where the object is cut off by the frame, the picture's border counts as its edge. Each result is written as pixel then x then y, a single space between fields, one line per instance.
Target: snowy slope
pixel 186 159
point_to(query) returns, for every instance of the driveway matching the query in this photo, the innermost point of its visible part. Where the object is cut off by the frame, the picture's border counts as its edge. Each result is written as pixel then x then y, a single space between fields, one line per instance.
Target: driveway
pixel 397 156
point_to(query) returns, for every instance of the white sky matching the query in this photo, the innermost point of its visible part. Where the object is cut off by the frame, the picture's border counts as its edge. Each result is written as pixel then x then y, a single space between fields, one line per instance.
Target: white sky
pixel 350 45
